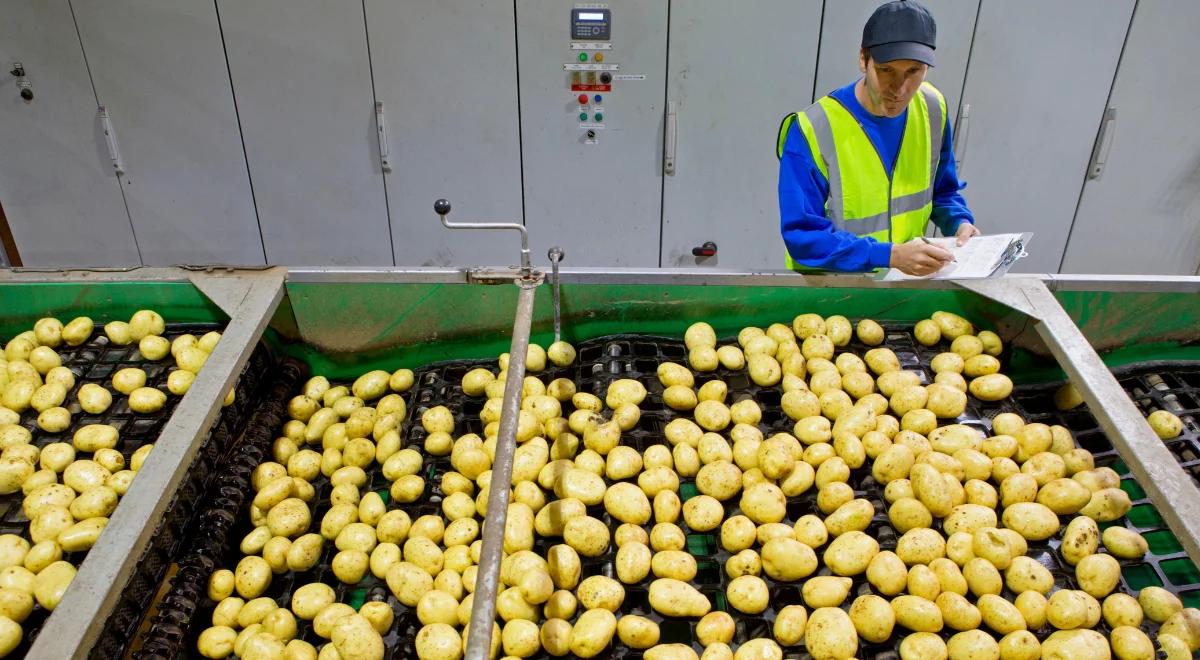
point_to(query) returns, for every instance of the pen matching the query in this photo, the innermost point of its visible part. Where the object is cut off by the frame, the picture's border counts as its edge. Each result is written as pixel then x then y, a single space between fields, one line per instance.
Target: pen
pixel 929 242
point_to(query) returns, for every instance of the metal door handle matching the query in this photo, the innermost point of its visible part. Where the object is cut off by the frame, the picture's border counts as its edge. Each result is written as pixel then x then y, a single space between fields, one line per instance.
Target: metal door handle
pixel 1103 144
pixel 381 129
pixel 961 136
pixel 110 139
pixel 669 140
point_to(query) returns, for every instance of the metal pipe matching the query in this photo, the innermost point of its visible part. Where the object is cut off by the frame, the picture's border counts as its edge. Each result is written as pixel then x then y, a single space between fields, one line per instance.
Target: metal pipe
pixel 556 255
pixel 73 627
pixel 487 581
pixel 442 208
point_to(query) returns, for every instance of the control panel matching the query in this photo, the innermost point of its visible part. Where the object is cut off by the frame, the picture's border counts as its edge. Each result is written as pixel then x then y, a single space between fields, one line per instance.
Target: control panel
pixel 590 71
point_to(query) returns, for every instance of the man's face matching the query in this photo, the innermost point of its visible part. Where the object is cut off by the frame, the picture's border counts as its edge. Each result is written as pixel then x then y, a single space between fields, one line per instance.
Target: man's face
pixel 891 85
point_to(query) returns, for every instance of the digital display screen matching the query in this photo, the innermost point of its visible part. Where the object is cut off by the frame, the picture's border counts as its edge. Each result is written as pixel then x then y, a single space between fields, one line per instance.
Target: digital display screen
pixel 591 25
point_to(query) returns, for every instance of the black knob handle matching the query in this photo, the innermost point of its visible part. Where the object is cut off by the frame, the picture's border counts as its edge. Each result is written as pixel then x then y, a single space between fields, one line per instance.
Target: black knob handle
pixel 18 71
pixel 27 94
pixel 441 207
pixel 605 77
pixel 709 249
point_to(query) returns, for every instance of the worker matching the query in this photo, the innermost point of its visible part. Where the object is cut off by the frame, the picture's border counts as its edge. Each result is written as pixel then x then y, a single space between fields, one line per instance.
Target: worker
pixel 862 170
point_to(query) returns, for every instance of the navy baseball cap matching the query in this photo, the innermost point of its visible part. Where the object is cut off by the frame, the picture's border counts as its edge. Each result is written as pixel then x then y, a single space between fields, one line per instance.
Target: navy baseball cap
pixel 901 30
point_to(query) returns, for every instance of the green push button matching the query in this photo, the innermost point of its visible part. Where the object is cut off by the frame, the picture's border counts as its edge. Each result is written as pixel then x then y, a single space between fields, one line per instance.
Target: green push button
pixel 583 57
pixel 599 116
pixel 583 116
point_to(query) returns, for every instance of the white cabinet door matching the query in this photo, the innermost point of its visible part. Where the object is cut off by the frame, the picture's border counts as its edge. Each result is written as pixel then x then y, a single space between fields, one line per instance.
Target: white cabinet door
pixel 446 73
pixel 593 185
pixel 724 106
pixel 841 39
pixel 159 68
pixel 1142 214
pixel 1039 76
pixel 302 82
pixel 57 183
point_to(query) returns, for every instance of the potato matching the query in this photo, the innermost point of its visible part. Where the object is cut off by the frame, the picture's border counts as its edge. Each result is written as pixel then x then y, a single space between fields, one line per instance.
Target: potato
pixel 1120 542
pixel 1031 520
pixel 972 644
pixel 703 513
pixel 1067 609
pixel 850 553
pixel 894 463
pixel 1158 604
pixel 439 641
pixel 146 400
pixel 992 387
pixel 1107 504
pixel 1121 609
pixel 957 612
pixel 1129 643
pixel 1165 424
pixel 1184 624
pixel 675 598
pixel 592 633
pixel 437 607
pixel 1097 575
pixel 52 582
pixel 1027 574
pixel 1075 644
pixel 748 593
pixel 873 618
pixel 129 379
pixel 216 642
pixel 1000 615
pixel 830 635
pixel 763 503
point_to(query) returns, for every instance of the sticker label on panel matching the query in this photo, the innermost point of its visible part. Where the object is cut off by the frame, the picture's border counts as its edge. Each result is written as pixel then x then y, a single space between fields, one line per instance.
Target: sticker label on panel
pixel 578 45
pixel 593 126
pixel 629 76
pixel 590 66
pixel 591 88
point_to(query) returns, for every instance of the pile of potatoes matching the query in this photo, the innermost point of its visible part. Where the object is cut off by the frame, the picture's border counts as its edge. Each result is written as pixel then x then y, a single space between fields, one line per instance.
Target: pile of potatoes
pixel 967 507
pixel 70 488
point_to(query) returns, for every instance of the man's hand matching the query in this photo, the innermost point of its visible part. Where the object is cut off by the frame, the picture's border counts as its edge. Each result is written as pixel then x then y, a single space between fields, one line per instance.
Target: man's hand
pixel 917 257
pixel 965 231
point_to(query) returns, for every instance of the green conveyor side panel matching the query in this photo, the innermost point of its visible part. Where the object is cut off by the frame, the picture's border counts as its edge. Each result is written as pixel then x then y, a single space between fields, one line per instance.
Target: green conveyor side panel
pixel 22 304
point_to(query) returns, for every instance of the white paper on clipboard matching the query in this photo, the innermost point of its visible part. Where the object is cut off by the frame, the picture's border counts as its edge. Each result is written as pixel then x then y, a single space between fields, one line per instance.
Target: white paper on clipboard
pixel 982 257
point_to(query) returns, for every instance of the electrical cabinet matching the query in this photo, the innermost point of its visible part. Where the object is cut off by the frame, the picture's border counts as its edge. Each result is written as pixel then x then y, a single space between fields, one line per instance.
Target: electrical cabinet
pixel 158 67
pixel 446 80
pixel 302 82
pixel 61 196
pixel 724 105
pixel 592 80
pixel 1140 209
pixel 1039 77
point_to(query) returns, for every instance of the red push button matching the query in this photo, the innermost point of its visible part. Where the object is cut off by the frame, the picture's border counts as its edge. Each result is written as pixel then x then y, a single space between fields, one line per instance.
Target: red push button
pixel 583 99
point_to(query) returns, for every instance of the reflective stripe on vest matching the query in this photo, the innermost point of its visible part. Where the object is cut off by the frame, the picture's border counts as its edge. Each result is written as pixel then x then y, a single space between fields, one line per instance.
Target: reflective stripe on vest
pixel 862 199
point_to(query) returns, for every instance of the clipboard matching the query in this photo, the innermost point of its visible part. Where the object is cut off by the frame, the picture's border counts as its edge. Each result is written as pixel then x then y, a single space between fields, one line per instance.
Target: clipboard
pixel 981 258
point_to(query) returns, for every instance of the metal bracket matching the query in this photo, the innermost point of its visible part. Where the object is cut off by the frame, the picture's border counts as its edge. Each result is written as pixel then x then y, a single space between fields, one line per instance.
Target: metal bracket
pixel 73 627
pixel 1170 488
pixel 230 290
pixel 556 255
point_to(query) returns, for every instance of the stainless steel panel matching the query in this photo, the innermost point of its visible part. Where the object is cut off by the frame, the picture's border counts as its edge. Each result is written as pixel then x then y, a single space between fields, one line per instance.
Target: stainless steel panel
pixel 1142 215
pixel 601 202
pixel 1035 110
pixel 302 81
pixel 446 73
pixel 159 67
pixel 728 100
pixel 61 197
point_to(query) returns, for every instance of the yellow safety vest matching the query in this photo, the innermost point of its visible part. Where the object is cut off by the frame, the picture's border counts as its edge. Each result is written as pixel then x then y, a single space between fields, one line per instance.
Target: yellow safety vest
pixel 862 199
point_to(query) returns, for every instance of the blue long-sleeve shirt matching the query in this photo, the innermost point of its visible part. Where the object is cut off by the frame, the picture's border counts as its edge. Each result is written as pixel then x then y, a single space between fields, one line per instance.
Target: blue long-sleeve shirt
pixel 811 238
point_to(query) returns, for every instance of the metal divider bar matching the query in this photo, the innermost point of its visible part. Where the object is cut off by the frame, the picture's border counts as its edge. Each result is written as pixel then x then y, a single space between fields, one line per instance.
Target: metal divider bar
pixel 74 626
pixel 1168 486
pixel 483 609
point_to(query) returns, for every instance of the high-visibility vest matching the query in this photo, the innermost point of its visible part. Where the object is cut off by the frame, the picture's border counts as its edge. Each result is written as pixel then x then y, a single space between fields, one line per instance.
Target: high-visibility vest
pixel 862 199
